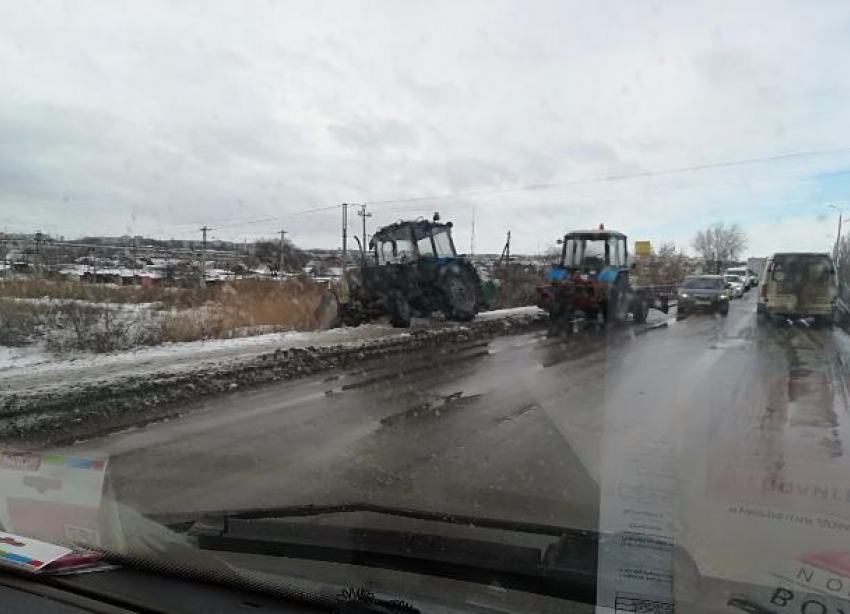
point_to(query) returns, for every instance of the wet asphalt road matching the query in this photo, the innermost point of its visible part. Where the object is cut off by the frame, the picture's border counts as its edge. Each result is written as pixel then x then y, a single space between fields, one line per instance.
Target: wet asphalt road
pixel 515 428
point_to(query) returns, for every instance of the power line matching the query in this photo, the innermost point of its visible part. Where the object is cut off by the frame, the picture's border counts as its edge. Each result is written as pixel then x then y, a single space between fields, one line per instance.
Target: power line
pixel 272 218
pixel 545 186
pixel 621 177
pixel 525 188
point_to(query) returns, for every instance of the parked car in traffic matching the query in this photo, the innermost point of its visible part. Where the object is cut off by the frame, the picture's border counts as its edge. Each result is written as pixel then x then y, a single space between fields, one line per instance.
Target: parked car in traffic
pixel 735 284
pixel 754 278
pixel 744 274
pixel 799 285
pixel 703 293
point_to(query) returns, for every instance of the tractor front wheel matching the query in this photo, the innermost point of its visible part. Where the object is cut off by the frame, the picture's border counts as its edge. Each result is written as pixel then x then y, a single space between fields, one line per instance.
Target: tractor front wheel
pixel 616 306
pixel 461 297
pixel 399 309
pixel 641 311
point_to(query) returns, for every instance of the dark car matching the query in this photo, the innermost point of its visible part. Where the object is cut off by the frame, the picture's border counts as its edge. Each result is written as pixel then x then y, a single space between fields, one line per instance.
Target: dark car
pixel 703 293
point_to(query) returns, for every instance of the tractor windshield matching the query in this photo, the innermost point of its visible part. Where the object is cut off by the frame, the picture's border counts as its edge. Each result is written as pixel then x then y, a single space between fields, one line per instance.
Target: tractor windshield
pixel 424 246
pixel 594 252
pixel 584 253
pixel 393 247
pixel 443 244
pixel 433 241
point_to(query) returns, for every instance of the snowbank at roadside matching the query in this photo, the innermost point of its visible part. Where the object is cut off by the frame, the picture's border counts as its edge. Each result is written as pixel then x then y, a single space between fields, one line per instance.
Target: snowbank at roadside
pixel 63 400
pixel 23 368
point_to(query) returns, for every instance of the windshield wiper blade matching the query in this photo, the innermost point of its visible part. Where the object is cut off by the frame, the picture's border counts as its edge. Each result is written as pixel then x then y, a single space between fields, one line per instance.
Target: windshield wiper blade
pixel 564 564
pixel 184 520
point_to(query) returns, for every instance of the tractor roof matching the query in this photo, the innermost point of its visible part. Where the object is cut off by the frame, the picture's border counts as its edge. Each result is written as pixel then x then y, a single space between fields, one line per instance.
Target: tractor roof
pixel 595 234
pixel 420 227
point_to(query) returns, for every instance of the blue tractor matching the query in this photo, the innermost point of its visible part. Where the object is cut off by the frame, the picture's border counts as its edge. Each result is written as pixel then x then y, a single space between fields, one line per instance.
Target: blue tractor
pixel 412 268
pixel 593 278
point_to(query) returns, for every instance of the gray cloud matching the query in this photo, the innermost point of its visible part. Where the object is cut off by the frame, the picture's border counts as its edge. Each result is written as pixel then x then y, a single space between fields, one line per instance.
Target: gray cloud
pixel 376 135
pixel 161 117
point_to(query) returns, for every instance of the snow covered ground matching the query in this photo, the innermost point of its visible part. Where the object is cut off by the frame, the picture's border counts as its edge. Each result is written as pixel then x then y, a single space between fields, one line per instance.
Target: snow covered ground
pixel 23 369
pixel 513 311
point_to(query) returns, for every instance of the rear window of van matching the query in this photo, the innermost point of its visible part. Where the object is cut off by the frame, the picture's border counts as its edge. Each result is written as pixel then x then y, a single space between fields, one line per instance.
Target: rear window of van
pixel 802 267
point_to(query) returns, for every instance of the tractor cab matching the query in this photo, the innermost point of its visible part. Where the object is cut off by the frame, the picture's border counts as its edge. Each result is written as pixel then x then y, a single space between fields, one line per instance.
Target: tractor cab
pixel 599 254
pixel 405 242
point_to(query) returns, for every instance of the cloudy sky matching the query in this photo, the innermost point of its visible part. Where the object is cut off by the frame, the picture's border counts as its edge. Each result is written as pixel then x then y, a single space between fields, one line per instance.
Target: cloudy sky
pixel 157 118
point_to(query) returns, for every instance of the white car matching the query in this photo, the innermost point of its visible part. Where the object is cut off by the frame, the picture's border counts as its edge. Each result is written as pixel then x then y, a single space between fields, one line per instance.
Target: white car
pixel 736 285
pixel 743 274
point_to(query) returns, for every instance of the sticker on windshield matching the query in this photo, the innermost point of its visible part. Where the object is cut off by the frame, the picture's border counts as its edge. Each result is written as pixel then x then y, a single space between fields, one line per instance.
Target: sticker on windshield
pixel 54 497
pixel 28 554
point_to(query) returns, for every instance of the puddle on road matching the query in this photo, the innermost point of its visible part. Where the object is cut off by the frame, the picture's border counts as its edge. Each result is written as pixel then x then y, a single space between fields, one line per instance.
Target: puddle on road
pixel 519 413
pixel 811 392
pixel 792 448
pixel 730 343
pixel 431 409
pixel 390 370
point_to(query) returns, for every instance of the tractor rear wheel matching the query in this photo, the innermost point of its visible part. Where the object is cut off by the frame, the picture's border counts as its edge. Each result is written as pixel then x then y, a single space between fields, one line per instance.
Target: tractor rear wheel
pixel 399 309
pixel 461 296
pixel 350 318
pixel 641 310
pixel 617 304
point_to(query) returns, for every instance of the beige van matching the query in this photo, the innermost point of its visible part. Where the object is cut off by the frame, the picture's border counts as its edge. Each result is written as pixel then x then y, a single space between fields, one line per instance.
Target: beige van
pixel 799 285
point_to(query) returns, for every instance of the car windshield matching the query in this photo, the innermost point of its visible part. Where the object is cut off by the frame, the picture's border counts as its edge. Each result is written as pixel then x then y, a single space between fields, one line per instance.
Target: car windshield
pixel 702 283
pixel 489 306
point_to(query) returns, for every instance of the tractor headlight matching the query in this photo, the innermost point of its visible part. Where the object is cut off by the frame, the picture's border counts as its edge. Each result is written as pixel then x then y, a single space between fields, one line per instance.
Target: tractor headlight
pixel 683 295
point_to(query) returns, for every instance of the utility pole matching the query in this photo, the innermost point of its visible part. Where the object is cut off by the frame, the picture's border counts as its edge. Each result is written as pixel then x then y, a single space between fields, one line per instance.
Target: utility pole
pixel 472 235
pixel 93 264
pixel 362 213
pixel 506 252
pixel 838 236
pixel 38 236
pixel 281 260
pixel 344 234
pixel 135 259
pixel 204 230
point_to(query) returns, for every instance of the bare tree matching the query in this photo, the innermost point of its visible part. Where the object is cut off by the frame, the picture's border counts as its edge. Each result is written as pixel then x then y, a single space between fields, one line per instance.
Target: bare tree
pixel 672 262
pixel 268 251
pixel 665 265
pixel 720 243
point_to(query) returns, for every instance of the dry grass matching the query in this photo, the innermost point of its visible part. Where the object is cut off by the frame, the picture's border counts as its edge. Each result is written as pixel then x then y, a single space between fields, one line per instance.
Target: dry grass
pixel 83 317
pixel 250 307
pixel 517 286
pixel 20 323
pixel 180 298
pixel 66 326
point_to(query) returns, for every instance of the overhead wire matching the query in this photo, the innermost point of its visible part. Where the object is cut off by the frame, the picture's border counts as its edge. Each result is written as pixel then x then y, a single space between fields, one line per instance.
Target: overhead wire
pixel 544 186
pixel 533 187
pixel 619 177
